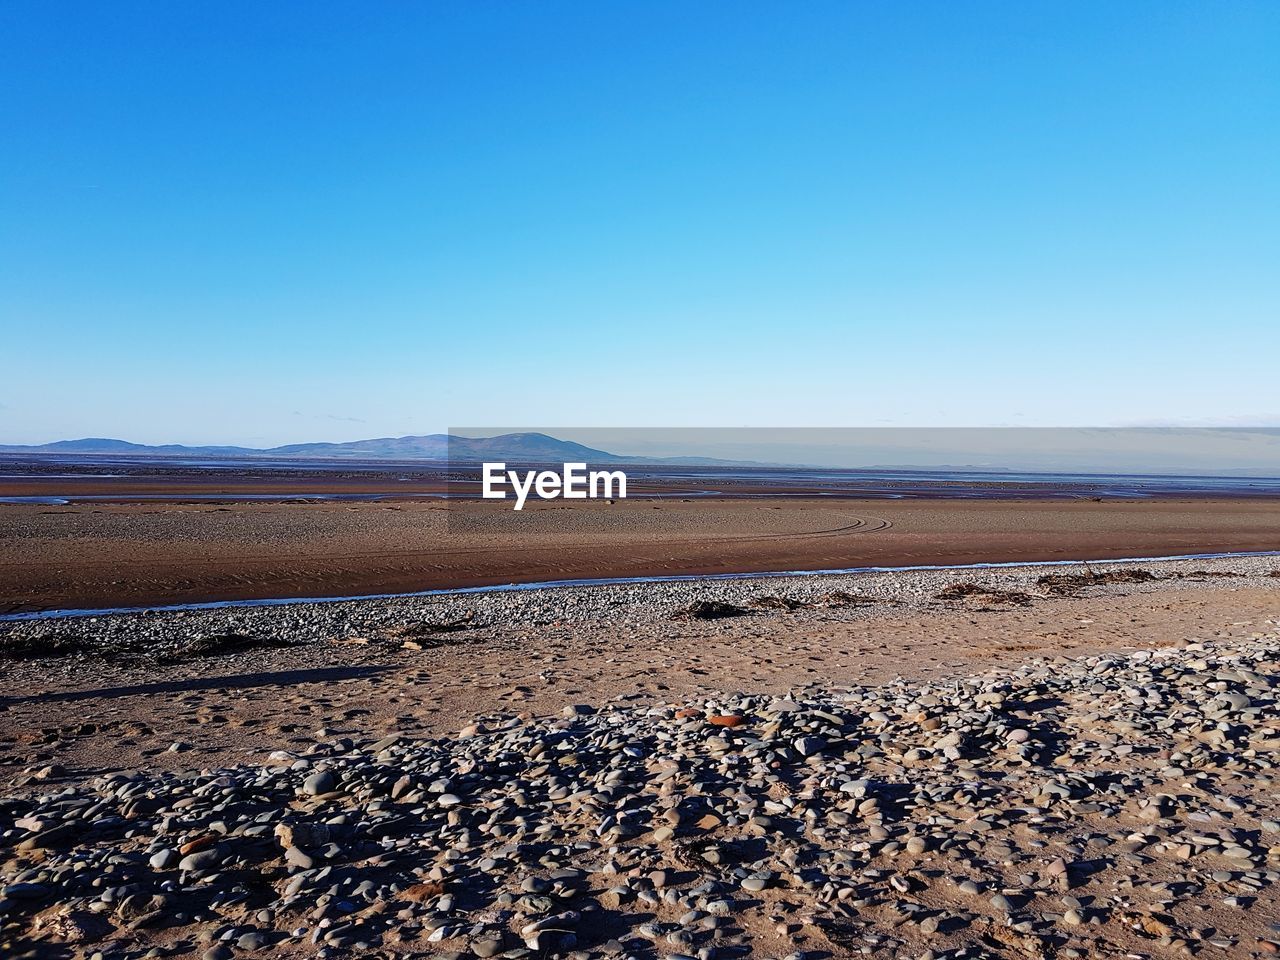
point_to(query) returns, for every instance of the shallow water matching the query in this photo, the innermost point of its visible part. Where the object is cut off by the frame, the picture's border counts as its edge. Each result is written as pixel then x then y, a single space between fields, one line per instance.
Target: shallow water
pixel 180 497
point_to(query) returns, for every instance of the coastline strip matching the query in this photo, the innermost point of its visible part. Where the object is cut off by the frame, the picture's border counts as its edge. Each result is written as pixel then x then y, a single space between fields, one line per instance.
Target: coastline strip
pixel 610 581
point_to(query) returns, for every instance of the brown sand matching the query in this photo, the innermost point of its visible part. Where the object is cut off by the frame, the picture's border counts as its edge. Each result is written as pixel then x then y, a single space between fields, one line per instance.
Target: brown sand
pixel 91 556
pixel 65 720
pixel 115 713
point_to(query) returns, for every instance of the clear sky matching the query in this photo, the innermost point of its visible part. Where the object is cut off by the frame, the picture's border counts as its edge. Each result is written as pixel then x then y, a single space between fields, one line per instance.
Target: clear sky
pixel 261 223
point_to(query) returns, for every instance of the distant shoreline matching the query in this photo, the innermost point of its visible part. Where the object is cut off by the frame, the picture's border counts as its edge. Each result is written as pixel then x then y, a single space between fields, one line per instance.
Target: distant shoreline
pixel 52 481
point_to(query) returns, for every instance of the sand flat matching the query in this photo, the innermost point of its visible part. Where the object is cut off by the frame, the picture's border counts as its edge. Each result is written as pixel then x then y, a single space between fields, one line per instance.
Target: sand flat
pixel 113 555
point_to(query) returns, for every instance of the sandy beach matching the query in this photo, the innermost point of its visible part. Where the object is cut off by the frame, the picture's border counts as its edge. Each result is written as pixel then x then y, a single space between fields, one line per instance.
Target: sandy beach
pixel 1033 761
pixel 640 482
pixel 1027 762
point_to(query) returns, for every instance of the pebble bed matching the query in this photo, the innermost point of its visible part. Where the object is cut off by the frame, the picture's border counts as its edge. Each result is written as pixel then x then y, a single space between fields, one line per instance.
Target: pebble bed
pixel 1120 805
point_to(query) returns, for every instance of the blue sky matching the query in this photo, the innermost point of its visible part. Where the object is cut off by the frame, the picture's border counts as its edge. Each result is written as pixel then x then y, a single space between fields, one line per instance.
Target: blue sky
pixel 263 223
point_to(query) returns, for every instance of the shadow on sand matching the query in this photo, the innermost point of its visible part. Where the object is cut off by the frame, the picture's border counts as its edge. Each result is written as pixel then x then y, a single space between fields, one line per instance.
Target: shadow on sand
pixel 279 678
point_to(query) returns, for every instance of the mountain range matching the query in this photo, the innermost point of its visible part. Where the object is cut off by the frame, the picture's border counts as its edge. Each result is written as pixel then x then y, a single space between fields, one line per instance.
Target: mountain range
pixel 515 447
pixel 544 449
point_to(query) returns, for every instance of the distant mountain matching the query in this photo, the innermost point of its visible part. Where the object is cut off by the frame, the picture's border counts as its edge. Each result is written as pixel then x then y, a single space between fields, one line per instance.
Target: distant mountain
pixel 522 447
pixel 103 445
pixel 512 447
pixel 517 447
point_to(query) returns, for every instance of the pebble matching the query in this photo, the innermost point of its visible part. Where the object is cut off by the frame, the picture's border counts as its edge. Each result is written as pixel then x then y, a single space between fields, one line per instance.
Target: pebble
pixel 319 783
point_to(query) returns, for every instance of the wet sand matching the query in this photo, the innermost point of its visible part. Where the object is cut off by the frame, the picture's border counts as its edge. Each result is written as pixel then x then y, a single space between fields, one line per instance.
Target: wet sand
pixel 140 554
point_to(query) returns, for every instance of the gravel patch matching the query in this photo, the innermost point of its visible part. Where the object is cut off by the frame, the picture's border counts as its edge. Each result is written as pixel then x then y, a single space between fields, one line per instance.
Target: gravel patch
pixel 1115 805
pixel 167 633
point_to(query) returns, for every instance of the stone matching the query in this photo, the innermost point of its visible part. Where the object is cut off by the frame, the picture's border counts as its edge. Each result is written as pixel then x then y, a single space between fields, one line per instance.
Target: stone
pixel 809 746
pixel 200 861
pixel 319 783
pixel 253 940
